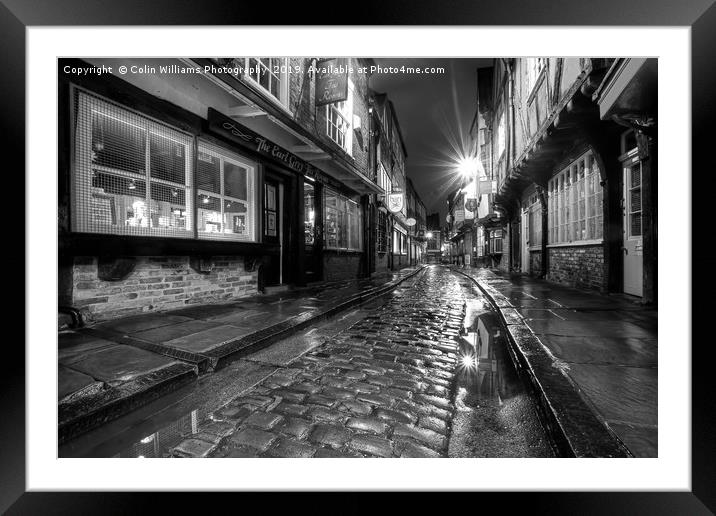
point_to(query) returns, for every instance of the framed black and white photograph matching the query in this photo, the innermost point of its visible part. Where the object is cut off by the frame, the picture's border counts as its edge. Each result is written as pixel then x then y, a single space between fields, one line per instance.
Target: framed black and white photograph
pixel 515 313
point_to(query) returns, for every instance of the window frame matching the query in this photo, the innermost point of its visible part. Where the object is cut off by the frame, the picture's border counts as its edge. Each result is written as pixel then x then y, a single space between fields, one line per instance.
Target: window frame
pixel 345 113
pixel 225 155
pixel 283 99
pixel 344 217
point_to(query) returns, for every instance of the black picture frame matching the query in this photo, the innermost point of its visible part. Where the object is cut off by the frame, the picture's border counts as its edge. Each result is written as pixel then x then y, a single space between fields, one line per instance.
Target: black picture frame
pixel 700 15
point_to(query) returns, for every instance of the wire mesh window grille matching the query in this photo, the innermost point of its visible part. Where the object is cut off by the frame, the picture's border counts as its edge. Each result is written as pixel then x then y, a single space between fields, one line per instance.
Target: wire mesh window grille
pixel 132 175
pixel 225 195
pixel 574 208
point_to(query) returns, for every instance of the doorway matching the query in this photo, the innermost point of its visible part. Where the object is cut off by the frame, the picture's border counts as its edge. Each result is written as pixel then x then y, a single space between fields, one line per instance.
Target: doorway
pixel 273 231
pixel 632 228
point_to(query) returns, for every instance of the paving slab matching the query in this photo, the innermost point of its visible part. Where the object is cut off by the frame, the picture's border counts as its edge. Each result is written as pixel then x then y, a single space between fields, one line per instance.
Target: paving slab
pixel 120 363
pixel 143 322
pixel 207 339
pixel 603 350
pixel 72 349
pixel 587 329
pixel 174 331
pixel 642 441
pixel 626 394
pixel 70 381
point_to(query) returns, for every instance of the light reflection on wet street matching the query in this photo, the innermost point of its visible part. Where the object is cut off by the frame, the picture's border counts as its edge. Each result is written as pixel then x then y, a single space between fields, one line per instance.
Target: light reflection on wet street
pixel 420 372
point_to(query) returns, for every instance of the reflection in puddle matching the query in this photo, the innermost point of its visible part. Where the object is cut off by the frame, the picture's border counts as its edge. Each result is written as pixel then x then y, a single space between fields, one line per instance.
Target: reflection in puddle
pixel 160 442
pixel 484 372
pixel 495 416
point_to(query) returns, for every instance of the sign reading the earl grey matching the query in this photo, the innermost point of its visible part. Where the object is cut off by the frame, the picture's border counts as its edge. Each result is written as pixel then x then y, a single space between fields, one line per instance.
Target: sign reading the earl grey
pixel 222 124
pixel 331 81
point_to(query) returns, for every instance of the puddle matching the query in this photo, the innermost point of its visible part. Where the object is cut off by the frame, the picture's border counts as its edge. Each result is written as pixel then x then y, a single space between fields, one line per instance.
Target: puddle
pixel 495 416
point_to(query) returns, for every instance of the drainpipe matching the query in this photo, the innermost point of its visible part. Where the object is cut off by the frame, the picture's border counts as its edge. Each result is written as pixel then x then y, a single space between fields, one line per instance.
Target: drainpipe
pixel 509 148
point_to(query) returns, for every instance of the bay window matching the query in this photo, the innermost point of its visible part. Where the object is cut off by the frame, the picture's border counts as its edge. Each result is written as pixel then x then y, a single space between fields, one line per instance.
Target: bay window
pixel 574 211
pixel 343 222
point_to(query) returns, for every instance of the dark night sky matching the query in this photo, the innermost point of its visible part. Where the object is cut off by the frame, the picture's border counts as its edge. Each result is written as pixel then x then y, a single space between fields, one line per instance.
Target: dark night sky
pixel 434 112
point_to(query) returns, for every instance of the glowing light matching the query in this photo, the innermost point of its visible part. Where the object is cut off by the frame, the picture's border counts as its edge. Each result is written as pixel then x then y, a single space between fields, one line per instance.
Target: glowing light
pixel 468 361
pixel 467 166
pixel 429 234
pixel 147 439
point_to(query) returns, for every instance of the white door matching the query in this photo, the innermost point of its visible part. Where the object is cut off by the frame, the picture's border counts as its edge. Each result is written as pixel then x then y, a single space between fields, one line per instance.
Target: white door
pixel 633 250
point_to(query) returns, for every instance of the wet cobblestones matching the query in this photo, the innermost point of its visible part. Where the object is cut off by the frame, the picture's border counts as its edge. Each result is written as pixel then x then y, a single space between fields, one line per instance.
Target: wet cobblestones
pixel 381 388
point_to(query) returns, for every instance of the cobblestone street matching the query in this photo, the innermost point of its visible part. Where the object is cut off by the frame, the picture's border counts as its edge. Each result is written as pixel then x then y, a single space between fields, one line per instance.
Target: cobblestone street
pixel 384 387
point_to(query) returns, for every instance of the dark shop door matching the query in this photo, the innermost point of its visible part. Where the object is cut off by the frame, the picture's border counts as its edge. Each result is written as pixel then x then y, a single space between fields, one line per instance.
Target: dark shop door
pixel 272 271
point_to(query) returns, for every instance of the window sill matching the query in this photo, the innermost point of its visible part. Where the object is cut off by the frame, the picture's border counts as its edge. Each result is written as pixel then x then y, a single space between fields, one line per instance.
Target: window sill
pixel 265 94
pixel 578 243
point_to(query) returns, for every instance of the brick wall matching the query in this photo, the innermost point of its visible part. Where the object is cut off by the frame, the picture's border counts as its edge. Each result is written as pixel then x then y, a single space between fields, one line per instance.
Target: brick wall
pixel 341 266
pixel 157 283
pixel 581 266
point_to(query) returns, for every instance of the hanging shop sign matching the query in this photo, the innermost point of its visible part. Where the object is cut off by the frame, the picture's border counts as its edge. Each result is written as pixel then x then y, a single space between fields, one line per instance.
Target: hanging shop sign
pixel 230 128
pixel 471 205
pixel 395 202
pixel 487 186
pixel 331 81
pixel 411 222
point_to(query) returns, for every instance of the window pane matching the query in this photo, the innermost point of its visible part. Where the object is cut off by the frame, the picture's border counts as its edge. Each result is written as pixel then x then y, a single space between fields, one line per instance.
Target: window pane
pixel 168 208
pixel 167 159
pixel 208 173
pixel 210 214
pixel 235 178
pixel 235 217
pixel 118 144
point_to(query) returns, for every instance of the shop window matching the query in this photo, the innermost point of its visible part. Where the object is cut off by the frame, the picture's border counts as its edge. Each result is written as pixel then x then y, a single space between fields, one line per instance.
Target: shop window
pixel 132 175
pixel 224 195
pixel 343 222
pixel 270 74
pixel 574 210
pixel 338 121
